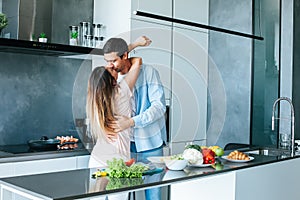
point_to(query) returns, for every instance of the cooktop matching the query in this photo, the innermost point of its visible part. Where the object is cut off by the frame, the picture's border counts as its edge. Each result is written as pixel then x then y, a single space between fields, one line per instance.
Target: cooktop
pixel 24 148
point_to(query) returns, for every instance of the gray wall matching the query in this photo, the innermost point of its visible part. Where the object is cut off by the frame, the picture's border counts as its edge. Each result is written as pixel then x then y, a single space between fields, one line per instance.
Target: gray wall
pixel 232 56
pixel 36 96
pixel 69 12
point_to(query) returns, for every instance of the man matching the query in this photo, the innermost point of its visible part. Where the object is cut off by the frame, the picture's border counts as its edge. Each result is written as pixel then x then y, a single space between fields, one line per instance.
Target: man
pixel 148 119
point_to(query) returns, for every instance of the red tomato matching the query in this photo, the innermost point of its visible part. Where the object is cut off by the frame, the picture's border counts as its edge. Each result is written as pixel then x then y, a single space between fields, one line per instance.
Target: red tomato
pixel 130 162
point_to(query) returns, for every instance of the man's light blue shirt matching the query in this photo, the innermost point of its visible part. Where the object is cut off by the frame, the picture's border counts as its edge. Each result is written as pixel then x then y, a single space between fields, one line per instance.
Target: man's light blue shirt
pixel 150 108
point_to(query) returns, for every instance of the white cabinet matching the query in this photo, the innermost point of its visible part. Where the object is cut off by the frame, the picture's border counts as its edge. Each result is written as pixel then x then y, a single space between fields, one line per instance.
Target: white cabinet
pixel 194 10
pixel 221 186
pixel 43 166
pixel 274 181
pixel 158 53
pixel 82 162
pixel 156 7
pixel 114 15
pixel 6 170
pixel 189 87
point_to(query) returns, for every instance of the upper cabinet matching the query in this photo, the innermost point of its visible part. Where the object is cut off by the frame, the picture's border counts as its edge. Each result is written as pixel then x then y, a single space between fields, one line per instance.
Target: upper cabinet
pixel 157 7
pixel 114 14
pixel 193 10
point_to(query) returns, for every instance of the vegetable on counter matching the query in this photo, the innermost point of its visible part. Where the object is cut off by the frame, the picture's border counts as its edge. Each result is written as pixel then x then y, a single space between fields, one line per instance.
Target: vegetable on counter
pixel 218 150
pixel 193 156
pixel 193 146
pixel 118 169
pixel 177 157
pixel 208 156
pixel 197 154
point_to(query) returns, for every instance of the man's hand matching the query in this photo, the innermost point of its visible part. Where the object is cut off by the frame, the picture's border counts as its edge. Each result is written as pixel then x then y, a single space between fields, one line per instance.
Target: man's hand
pixel 121 123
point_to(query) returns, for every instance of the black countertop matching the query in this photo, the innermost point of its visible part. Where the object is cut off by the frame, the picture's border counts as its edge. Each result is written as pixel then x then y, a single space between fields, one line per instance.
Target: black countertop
pixel 79 184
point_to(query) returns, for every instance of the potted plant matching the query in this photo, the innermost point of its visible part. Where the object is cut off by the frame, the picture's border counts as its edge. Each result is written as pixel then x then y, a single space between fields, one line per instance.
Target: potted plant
pixel 42 37
pixel 74 38
pixel 3 22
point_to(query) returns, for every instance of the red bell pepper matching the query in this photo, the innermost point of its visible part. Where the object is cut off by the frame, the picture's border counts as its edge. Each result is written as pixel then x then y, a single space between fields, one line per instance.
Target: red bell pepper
pixel 208 156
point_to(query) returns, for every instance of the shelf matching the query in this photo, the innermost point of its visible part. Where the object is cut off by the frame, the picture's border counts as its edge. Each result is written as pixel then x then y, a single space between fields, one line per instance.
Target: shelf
pixel 47 49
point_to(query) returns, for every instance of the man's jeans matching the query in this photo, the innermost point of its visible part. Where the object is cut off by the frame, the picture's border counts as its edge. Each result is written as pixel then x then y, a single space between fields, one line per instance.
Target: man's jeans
pixel 154 193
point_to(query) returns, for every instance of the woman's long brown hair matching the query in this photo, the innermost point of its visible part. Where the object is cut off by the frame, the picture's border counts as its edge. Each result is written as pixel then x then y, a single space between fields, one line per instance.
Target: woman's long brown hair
pixel 99 103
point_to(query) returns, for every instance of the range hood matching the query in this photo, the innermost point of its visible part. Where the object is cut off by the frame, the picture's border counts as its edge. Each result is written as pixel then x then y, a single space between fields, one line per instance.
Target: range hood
pixel 27 19
pixel 49 49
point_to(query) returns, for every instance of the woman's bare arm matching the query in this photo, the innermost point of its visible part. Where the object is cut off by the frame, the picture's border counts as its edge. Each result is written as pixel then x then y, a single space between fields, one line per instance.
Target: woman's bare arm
pixel 133 72
pixel 140 41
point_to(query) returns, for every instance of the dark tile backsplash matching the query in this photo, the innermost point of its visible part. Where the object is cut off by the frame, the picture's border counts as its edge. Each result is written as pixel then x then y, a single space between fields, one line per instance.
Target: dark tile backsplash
pixel 37 98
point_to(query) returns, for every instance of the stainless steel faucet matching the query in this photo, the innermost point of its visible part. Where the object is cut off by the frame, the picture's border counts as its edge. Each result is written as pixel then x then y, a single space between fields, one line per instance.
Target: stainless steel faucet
pixel 292 119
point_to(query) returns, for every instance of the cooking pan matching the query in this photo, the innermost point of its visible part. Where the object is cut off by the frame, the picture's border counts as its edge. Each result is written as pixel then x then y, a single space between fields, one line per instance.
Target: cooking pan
pixel 44 144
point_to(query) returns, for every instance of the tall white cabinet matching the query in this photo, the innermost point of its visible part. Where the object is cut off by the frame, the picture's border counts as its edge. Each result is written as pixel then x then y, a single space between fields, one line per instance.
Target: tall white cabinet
pixel 189 75
pixel 178 52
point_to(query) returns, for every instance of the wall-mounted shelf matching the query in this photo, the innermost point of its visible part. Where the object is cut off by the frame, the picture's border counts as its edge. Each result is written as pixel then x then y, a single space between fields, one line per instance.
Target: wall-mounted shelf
pixel 47 49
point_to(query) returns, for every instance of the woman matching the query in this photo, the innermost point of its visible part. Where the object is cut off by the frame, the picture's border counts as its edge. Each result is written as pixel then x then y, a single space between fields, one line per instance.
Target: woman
pixel 106 99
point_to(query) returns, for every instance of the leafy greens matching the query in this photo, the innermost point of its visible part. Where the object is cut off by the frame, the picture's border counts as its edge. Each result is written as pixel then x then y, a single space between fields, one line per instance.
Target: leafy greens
pixel 118 169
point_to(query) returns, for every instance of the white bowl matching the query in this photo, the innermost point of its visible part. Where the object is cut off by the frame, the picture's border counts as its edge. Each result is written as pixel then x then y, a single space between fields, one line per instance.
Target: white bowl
pixel 174 164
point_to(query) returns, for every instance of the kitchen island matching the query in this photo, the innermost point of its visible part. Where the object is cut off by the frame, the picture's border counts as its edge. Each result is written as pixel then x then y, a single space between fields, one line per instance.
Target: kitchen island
pixel 265 177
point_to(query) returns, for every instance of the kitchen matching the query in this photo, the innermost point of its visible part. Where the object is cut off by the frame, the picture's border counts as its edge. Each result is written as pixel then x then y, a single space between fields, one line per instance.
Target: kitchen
pixel 236 125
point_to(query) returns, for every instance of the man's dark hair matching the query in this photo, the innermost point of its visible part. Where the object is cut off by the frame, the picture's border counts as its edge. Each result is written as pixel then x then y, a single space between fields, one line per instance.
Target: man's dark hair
pixel 115 45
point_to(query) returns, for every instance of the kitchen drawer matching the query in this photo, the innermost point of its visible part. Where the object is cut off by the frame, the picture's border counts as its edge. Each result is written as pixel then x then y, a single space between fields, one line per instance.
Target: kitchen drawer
pixel 45 166
pixel 6 170
pixel 83 162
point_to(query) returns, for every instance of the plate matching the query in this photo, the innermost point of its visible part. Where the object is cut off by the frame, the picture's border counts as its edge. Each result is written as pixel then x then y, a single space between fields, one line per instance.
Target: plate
pixel 200 165
pixel 239 161
pixel 158 159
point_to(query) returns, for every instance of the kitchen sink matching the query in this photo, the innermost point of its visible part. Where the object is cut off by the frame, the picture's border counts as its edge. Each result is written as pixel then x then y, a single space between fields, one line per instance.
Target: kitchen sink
pixel 269 152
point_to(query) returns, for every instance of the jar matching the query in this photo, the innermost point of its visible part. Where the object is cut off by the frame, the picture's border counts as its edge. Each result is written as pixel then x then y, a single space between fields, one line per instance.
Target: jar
pixel 73 35
pixel 89 41
pixel 97 30
pixel 85 30
pixel 97 42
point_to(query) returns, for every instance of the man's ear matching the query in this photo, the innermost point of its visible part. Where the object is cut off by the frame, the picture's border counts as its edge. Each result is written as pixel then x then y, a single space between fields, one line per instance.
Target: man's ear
pixel 125 55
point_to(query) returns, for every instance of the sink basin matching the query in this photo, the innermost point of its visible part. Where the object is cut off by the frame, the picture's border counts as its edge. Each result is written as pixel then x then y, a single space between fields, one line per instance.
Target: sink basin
pixel 269 152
